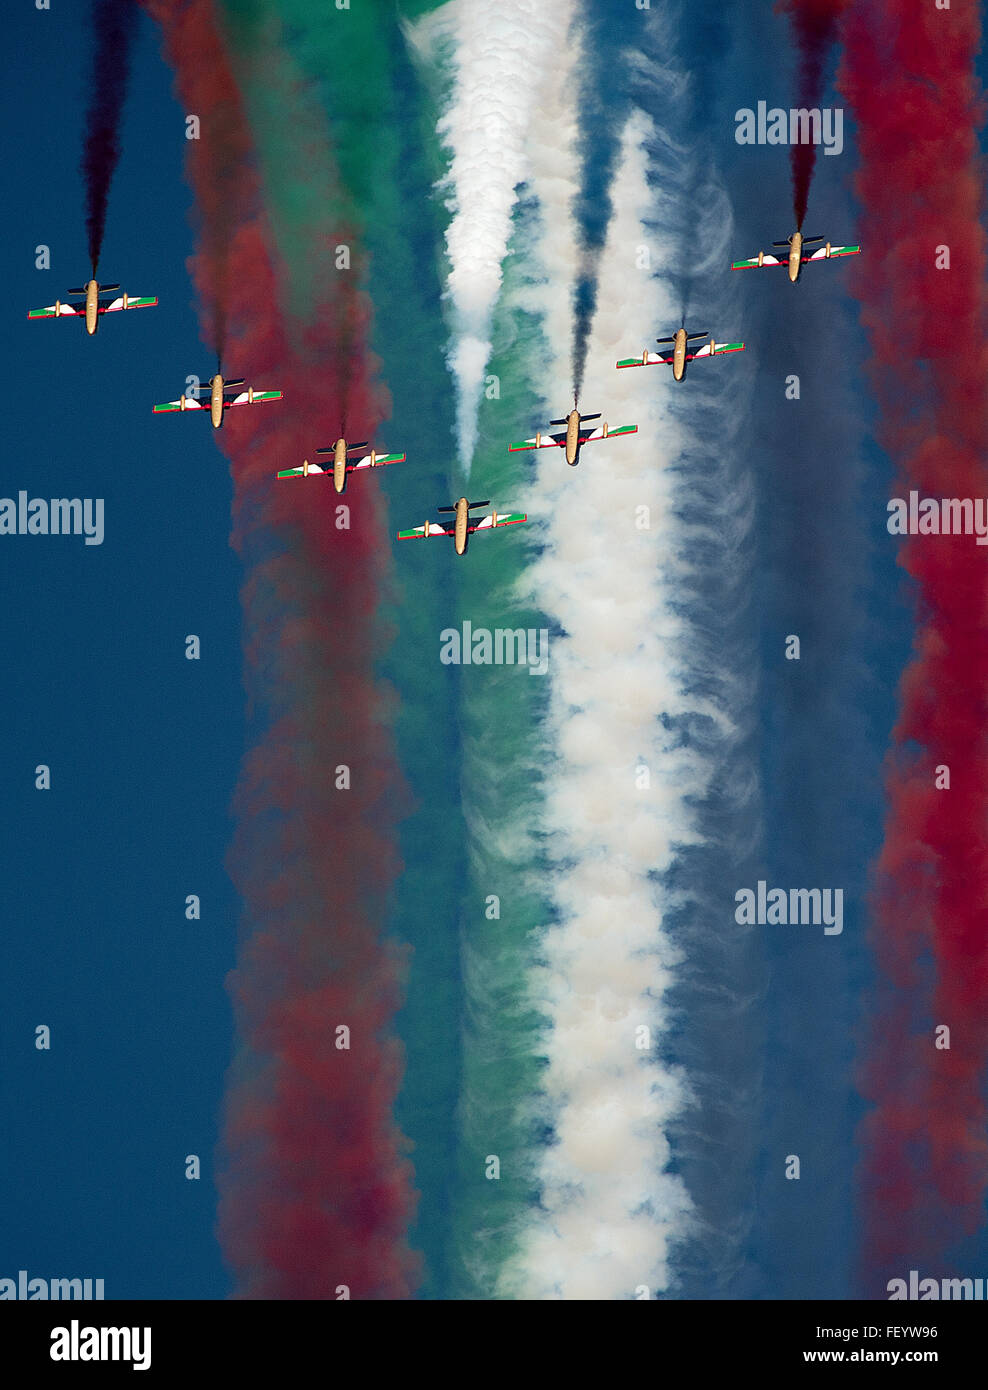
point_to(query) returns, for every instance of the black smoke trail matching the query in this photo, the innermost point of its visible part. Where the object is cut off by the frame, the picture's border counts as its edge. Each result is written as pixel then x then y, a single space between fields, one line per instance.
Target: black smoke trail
pixel 114 27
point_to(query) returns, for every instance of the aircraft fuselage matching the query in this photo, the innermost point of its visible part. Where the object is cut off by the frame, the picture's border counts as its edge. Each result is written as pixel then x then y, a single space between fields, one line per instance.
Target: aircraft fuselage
pixel 339 465
pixel 216 401
pixel 92 306
pixel 679 354
pixel 460 530
pixel 795 256
pixel 572 435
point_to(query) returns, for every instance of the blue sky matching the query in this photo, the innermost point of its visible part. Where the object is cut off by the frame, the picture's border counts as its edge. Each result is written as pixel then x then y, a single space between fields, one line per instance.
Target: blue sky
pixel 143 745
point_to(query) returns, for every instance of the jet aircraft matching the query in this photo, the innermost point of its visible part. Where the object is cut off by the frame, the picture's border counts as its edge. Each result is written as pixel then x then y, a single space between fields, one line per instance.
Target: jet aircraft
pixel 463 525
pixel 573 437
pixel 97 299
pixel 341 467
pixel 797 244
pixel 222 395
pixel 680 353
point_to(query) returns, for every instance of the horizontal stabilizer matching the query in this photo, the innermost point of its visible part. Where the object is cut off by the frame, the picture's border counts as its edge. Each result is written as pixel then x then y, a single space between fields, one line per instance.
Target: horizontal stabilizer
pixel 485 503
pixel 591 417
pixel 352 448
pixel 665 340
pixel 445 509
pixel 558 422
pixel 108 289
pixel 231 384
pixel 811 238
pixel 691 336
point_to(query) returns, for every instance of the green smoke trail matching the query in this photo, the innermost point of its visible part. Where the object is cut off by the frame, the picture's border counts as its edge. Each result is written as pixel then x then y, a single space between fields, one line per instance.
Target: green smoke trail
pixel 466 733
pixel 500 715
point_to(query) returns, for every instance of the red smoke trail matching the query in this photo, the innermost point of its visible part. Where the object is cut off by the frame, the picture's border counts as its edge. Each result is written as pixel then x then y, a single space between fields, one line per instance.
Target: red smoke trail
pixel 815 24
pixel 316 1191
pixel 909 75
pixel 114 25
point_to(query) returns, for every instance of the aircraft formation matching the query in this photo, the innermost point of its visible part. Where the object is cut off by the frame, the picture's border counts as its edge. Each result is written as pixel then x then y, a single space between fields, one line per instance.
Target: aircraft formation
pixel 220 393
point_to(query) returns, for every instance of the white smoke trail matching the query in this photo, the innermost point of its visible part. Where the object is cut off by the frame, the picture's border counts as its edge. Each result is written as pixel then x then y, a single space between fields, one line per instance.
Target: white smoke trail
pixel 503 53
pixel 622 781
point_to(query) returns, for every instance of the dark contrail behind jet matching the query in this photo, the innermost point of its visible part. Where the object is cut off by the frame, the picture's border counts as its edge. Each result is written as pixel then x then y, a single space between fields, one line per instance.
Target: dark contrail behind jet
pixel 114 27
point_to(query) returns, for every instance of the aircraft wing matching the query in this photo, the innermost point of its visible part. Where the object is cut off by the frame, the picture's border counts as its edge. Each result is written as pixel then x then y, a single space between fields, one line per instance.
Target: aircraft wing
pixel 715 350
pixel 301 470
pixel 766 259
pixel 605 432
pixel 651 359
pixel 373 461
pixel 431 528
pixel 250 398
pixel 647 359
pixel 487 523
pixel 541 441
pixel 126 302
pixel 191 403
pixel 56 311
pixel 823 254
